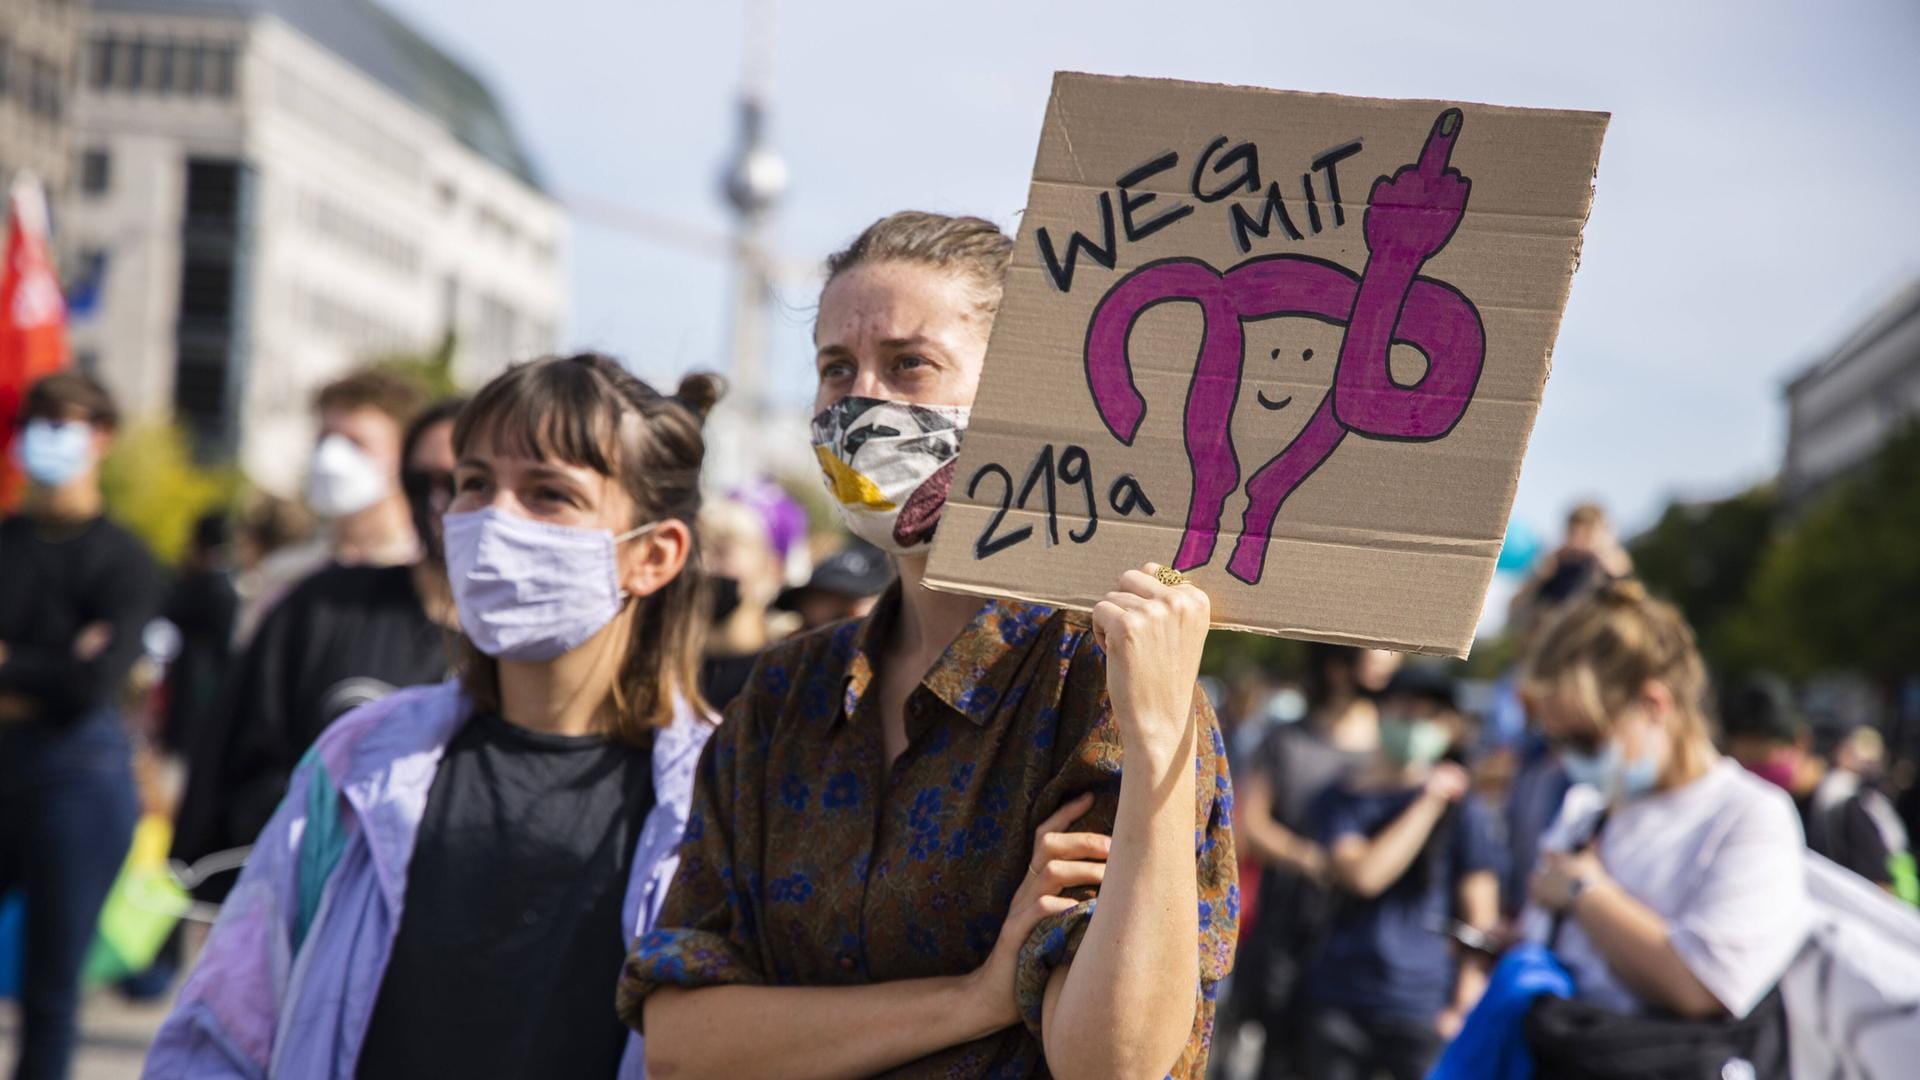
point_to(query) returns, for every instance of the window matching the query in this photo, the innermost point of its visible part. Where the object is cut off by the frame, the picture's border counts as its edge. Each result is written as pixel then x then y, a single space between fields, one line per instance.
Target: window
pixel 163 66
pixel 184 79
pixel 43 95
pixel 193 68
pixel 6 67
pixel 206 288
pixel 96 172
pixel 100 53
pixel 133 74
pixel 200 388
pixel 213 191
pixel 220 71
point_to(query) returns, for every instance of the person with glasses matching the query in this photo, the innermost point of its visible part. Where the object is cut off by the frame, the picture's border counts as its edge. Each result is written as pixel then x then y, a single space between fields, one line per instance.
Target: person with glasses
pixel 1673 881
pixel 344 637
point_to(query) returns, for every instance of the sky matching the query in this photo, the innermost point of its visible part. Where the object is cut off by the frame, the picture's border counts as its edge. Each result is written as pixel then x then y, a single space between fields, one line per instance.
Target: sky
pixel 1758 192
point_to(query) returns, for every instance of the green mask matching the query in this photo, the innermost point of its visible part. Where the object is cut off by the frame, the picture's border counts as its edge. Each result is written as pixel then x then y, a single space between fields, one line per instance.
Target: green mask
pixel 1412 742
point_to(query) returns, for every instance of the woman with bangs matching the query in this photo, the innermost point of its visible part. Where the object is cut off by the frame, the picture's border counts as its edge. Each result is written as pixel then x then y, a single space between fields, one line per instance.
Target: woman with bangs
pixel 456 872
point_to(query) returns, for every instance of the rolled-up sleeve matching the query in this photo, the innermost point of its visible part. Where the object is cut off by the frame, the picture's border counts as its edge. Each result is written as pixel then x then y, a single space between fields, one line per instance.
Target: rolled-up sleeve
pixel 1093 763
pixel 705 935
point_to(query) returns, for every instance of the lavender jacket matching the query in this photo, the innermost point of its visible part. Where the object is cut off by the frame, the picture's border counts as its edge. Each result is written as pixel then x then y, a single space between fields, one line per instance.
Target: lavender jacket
pixel 286 985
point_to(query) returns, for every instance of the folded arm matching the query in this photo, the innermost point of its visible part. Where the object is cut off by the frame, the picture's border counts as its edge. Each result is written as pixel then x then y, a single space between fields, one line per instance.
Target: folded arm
pixel 805 1032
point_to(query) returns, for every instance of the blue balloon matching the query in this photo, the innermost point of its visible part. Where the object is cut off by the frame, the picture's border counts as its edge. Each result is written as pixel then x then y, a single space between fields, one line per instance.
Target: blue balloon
pixel 1519 551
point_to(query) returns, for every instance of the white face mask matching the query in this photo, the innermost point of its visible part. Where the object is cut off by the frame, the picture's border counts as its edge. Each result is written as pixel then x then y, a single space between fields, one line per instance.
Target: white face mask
pixel 530 591
pixel 344 480
pixel 888 465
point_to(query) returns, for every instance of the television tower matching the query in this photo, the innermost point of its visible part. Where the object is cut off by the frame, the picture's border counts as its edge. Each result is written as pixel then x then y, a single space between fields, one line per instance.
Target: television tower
pixel 754 179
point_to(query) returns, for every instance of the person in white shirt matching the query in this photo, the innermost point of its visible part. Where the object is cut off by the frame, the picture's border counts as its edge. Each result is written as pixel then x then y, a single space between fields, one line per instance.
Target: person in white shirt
pixel 1673 881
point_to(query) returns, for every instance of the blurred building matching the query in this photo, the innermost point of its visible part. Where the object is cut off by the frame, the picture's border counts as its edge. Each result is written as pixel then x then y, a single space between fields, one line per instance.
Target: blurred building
pixel 271 192
pixel 39 47
pixel 1840 410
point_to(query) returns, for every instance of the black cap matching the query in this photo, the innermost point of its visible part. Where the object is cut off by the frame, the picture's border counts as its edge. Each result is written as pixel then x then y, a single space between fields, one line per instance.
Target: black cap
pixel 857 570
pixel 1423 682
pixel 1760 705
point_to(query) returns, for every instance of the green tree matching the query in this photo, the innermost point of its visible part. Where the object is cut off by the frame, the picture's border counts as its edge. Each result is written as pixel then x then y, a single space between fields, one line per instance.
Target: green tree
pixel 432 370
pixel 153 486
pixel 1232 653
pixel 1838 588
pixel 1703 556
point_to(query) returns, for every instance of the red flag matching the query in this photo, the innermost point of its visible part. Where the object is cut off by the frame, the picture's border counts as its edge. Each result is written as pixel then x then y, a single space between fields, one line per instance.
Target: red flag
pixel 33 318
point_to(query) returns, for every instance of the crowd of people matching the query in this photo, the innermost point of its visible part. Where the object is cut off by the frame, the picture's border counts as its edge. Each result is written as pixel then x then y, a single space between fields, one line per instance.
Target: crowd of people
pixel 547 761
pixel 1594 806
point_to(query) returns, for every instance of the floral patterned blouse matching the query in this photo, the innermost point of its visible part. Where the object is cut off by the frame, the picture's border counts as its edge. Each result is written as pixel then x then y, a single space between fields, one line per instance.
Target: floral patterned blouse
pixel 808 862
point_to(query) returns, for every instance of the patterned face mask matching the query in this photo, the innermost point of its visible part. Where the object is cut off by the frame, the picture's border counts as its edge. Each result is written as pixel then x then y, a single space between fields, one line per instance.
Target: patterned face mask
pixel 888 465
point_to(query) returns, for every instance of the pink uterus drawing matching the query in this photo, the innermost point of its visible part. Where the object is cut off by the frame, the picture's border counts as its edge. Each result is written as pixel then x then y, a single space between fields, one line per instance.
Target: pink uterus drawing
pixel 1410 217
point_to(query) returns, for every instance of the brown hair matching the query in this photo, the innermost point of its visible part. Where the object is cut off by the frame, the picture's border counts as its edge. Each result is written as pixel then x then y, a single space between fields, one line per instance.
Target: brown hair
pixel 373 388
pixel 63 393
pixel 1603 648
pixel 1586 515
pixel 971 246
pixel 271 522
pixel 589 411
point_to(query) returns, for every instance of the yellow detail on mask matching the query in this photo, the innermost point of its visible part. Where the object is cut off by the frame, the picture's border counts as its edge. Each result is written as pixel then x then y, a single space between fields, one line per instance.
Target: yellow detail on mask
pixel 851 488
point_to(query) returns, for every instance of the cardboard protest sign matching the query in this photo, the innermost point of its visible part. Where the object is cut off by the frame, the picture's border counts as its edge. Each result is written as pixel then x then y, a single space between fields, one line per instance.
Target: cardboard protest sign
pixel 1291 344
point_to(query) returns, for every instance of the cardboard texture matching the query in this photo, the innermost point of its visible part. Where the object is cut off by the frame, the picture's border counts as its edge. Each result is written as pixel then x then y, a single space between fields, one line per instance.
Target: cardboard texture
pixel 1292 344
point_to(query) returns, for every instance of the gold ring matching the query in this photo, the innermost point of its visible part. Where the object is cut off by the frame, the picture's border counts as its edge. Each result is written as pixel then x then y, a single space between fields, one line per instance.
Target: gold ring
pixel 1170 577
pixel 1031 871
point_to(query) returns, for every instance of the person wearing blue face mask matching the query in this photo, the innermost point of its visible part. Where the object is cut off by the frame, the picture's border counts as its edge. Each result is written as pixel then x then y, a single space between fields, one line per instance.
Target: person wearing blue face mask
pixel 1672 883
pixel 454 877
pixel 76 590
pixel 1414 854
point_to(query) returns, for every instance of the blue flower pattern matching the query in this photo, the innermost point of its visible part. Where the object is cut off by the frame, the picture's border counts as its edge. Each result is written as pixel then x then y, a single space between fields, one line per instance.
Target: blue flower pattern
pixel 793 792
pixel 843 791
pixel 810 860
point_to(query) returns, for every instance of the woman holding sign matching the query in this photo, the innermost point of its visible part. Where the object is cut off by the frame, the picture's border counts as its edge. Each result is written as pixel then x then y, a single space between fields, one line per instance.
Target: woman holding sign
pixel 897 833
